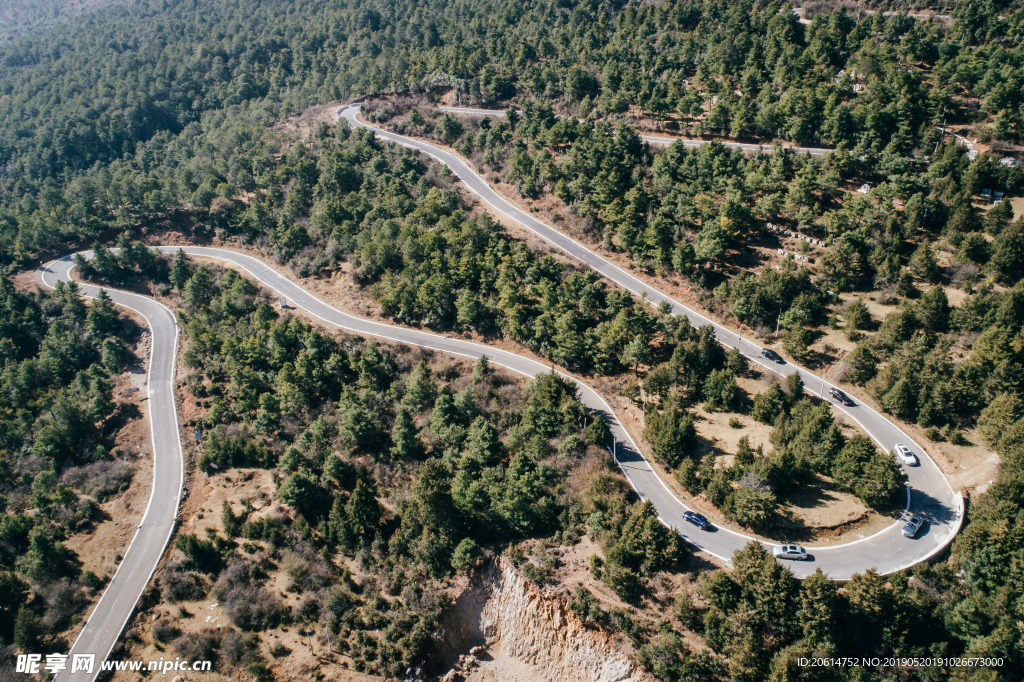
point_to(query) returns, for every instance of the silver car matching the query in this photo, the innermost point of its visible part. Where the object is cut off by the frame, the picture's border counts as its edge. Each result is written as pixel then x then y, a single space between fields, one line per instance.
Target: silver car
pixel 912 526
pixel 795 552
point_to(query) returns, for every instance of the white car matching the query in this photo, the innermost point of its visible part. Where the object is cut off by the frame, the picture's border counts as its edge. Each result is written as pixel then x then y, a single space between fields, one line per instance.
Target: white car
pixel 904 453
pixel 795 552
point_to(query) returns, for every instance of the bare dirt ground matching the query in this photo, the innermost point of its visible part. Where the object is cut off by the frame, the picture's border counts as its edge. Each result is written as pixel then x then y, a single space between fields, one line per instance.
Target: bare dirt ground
pixel 101 550
pixel 308 657
pixel 498 666
pixel 1018 207
pixel 573 570
pixel 299 128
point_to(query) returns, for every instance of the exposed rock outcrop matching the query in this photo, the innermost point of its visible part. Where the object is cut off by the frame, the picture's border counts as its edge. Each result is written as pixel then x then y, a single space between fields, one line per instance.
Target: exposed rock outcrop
pixel 506 629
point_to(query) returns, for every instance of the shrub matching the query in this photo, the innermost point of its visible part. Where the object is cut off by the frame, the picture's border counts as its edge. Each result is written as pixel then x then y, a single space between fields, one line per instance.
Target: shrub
pixel 164 631
pixel 250 606
pixel 101 480
pixel 91 580
pixel 199 646
pixel 182 585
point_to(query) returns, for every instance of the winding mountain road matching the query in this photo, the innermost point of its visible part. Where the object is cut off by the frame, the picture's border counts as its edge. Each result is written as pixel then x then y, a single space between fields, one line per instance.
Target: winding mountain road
pixel 929 494
pixel 103 628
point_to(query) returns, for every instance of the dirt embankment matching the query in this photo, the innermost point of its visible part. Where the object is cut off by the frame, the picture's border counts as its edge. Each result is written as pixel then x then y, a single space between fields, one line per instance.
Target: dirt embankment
pixel 503 628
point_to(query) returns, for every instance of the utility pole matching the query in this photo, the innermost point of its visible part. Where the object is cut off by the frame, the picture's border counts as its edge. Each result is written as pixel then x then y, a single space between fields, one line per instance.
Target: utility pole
pixel 779 320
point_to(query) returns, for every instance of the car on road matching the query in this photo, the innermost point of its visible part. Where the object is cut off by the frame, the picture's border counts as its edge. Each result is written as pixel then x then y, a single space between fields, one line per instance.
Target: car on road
pixel 795 552
pixel 839 396
pixel 912 526
pixel 905 455
pixel 696 519
pixel 770 354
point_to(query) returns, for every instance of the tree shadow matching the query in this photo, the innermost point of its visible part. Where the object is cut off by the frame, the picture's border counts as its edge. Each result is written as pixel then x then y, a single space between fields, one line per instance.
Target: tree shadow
pixel 123 414
pixel 705 446
pixel 788 527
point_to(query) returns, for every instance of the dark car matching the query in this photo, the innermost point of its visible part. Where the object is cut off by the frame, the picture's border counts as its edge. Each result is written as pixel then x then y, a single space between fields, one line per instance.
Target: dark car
pixel 839 396
pixel 696 519
pixel 770 354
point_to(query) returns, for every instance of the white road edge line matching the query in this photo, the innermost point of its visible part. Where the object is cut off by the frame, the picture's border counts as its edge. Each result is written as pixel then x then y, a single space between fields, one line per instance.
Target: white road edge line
pixel 152 435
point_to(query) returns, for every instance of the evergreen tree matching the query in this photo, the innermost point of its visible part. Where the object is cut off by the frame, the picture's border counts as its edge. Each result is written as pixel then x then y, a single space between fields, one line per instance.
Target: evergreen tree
pixel 362 513
pixel 819 611
pixel 181 271
pixel 405 438
pixel 670 432
pixel 420 390
pixel 721 392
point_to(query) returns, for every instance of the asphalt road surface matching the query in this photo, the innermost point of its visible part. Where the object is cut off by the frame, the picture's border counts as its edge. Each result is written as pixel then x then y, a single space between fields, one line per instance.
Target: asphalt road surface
pixel 662 141
pixel 108 619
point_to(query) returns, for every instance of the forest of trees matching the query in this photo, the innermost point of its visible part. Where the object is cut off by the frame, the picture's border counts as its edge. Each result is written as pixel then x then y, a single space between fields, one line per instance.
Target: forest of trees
pixel 693 210
pixel 58 421
pixel 149 115
pixel 453 464
pixel 22 17
pixel 128 116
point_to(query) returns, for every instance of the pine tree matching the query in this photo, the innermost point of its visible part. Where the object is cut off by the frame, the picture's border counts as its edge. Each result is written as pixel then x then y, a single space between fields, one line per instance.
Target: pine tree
pixel 481 370
pixel 671 433
pixel 28 630
pixel 923 263
pixel 420 390
pixel 721 392
pixel 268 415
pixel 933 310
pixel 102 319
pixel 180 270
pixel 819 601
pixel 198 290
pixel 744 453
pixel 768 405
pixel 405 438
pixel 635 353
pixel 362 513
